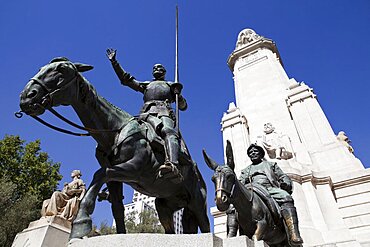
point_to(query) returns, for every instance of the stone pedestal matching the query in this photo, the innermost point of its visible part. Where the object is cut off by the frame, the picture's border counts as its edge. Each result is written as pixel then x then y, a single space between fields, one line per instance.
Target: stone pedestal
pixel 50 231
pixel 242 241
pixel 150 240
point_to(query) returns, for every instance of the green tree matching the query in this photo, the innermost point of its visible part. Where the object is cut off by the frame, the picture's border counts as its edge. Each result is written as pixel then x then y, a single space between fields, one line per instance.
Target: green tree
pixel 27 167
pixel 16 211
pixel 148 223
pixel 104 229
pixel 28 177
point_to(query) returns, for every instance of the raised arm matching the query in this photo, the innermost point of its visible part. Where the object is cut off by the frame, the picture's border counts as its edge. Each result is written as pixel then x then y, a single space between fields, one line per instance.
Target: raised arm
pixel 125 78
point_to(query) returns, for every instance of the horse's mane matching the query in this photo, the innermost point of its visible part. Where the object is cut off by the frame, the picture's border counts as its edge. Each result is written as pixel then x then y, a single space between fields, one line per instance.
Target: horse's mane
pixel 89 95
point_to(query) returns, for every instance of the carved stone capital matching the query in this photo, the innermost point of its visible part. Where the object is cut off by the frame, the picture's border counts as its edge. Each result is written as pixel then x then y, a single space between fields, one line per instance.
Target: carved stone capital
pixel 248 41
pixel 246 37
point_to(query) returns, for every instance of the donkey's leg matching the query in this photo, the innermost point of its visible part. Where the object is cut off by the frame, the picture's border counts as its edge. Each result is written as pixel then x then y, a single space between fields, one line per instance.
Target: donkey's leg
pixel 116 197
pixel 165 215
pixel 82 224
pixel 260 230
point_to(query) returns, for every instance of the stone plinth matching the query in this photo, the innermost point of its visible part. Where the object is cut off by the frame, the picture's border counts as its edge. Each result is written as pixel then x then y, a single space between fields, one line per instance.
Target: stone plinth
pixel 45 232
pixel 242 241
pixel 150 240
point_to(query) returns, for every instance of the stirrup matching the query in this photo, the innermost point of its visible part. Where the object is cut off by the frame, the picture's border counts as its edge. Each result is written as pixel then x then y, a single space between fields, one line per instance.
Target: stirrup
pixel 169 171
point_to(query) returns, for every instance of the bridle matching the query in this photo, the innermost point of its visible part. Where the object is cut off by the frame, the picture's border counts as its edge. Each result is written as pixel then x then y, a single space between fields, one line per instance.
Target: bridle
pixel 46 104
pixel 229 193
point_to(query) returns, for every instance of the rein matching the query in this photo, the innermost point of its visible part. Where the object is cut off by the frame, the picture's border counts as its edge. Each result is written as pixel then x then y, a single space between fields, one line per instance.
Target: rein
pixel 222 189
pixel 229 193
pixel 46 101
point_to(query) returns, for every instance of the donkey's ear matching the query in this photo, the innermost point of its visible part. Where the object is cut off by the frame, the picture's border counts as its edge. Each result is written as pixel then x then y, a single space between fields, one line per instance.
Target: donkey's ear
pixel 211 163
pixel 83 67
pixel 229 155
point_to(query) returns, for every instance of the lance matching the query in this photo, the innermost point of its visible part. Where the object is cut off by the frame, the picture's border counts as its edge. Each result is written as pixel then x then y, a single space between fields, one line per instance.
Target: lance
pixel 177 70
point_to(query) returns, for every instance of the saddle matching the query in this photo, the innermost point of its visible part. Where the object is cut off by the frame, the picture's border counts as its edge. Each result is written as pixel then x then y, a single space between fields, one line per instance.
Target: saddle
pixel 157 143
pixel 135 126
pixel 268 200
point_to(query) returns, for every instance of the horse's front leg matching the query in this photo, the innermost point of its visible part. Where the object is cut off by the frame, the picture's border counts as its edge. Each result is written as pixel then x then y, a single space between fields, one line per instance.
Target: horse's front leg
pixel 82 224
pixel 118 210
pixel 133 157
pixel 165 215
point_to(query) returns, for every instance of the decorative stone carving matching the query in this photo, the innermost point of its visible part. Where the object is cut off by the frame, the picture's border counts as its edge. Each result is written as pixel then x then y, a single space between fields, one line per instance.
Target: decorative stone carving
pixel 65 203
pixel 343 138
pixel 246 36
pixel 277 145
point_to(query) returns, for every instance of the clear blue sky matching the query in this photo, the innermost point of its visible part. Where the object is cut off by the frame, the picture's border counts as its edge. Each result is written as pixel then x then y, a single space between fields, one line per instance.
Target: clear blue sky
pixel 323 43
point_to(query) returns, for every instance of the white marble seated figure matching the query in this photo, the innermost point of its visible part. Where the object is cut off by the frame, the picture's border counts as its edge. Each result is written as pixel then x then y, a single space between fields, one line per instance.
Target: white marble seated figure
pixel 277 145
pixel 65 203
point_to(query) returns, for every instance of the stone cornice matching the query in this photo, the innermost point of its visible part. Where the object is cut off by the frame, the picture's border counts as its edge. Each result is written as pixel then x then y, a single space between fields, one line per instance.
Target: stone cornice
pixel 299 93
pixel 314 180
pixel 352 182
pixel 257 44
pixel 311 178
pixel 232 118
pixel 216 213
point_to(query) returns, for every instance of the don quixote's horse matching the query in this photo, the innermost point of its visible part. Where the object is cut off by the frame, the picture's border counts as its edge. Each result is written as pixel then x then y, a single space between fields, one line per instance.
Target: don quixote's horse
pixel 125 151
pixel 254 217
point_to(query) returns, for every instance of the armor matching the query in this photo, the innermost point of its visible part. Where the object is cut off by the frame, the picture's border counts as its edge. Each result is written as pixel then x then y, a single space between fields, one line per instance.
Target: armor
pixel 158 95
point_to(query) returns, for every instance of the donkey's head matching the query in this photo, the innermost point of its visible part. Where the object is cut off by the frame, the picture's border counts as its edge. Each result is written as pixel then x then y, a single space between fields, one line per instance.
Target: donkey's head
pixel 224 178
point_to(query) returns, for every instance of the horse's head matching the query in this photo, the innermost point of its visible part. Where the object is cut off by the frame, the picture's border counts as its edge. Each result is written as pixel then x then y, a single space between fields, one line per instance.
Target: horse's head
pixel 49 86
pixel 224 178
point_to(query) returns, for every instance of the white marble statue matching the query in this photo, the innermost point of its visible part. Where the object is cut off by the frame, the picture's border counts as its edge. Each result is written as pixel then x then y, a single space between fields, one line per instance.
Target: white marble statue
pixel 277 145
pixel 65 203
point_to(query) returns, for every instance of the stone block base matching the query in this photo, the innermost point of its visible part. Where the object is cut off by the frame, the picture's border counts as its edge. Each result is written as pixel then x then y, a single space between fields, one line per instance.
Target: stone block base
pixel 149 240
pixel 45 232
pixel 242 241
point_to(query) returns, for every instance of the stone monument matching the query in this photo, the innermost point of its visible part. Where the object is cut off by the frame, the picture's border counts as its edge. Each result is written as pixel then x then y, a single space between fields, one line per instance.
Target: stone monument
pixel 57 213
pixel 331 186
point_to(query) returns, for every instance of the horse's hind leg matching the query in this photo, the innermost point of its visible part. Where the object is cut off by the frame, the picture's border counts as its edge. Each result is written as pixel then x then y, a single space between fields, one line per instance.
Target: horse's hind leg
pixel 203 221
pixel 165 215
pixel 189 222
pixel 198 208
pixel 82 224
pixel 118 210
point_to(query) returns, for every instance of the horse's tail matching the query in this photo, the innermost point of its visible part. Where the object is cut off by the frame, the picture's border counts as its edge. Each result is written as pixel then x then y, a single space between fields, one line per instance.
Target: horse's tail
pixel 195 166
pixel 201 181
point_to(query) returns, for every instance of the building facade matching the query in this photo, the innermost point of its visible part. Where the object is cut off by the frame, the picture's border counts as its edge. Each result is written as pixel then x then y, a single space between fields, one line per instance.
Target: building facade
pixel 141 203
pixel 331 186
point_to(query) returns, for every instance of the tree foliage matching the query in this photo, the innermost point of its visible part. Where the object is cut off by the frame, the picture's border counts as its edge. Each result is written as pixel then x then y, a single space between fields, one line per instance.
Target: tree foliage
pixel 27 177
pixel 17 211
pixel 27 167
pixel 104 229
pixel 147 223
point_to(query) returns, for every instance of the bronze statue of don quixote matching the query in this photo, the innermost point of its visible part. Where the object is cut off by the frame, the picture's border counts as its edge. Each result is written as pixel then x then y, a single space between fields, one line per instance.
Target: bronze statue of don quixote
pixel 145 152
